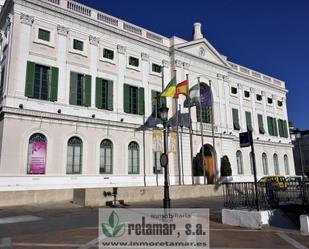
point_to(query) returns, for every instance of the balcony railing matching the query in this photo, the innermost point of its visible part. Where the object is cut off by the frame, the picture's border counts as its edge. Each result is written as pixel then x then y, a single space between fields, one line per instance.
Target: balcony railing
pixel 79 8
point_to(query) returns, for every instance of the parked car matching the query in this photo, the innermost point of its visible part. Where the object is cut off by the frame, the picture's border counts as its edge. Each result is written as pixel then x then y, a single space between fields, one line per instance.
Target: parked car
pixel 296 179
pixel 273 181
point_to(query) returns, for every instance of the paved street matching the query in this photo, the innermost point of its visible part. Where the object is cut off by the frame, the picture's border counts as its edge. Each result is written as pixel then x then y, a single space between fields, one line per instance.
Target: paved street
pixel 66 225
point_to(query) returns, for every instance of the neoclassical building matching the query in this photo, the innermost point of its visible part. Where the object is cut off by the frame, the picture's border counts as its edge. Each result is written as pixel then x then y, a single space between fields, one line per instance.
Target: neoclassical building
pixel 76 83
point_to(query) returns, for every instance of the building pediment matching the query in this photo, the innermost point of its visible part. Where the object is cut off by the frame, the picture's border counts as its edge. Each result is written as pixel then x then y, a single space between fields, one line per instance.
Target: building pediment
pixel 203 49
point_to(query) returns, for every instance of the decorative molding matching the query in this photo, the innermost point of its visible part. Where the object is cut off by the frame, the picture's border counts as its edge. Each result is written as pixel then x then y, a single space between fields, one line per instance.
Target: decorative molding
pixel 252 90
pixel 93 40
pixel 165 63
pixel 219 76
pixel 145 57
pixel 186 65
pixel 263 93
pixel 178 63
pixel 239 86
pixel 121 49
pixel 226 77
pixel 26 19
pixel 62 30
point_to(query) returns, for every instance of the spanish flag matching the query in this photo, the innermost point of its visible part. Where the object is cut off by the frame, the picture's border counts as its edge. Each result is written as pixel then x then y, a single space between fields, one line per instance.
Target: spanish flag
pixel 172 90
pixel 181 88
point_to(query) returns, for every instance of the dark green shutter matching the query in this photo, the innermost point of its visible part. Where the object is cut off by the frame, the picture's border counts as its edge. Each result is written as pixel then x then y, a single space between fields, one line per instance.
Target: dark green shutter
pixel 235 119
pixel 29 90
pixel 285 128
pixel 73 88
pixel 110 95
pixel 126 98
pixel 280 127
pixel 249 122
pixel 270 126
pixel 87 90
pixel 54 84
pixel 141 101
pixel 261 125
pixel 98 93
pixel 275 127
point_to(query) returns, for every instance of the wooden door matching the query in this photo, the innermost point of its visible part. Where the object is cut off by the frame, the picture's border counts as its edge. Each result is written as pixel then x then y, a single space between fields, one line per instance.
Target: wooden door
pixel 210 168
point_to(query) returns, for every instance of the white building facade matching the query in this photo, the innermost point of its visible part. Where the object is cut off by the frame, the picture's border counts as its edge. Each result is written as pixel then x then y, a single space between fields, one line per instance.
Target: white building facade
pixel 76 83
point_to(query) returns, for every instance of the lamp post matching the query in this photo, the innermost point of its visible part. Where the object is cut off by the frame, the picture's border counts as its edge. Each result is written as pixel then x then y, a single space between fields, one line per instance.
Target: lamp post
pixel 164 157
pixel 298 137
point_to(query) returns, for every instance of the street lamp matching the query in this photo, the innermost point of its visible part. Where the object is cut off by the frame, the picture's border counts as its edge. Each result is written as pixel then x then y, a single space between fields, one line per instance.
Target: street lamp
pixel 164 157
pixel 298 137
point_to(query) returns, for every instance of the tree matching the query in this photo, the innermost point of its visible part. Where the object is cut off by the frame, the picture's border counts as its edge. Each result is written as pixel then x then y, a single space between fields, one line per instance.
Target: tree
pixel 226 169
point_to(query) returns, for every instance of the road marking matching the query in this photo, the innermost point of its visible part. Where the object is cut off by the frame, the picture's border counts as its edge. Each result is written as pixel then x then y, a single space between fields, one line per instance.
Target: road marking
pixel 90 244
pixel 291 241
pixel 19 219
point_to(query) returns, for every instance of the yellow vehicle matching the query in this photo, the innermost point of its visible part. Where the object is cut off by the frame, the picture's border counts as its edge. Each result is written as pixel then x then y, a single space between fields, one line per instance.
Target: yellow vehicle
pixel 275 181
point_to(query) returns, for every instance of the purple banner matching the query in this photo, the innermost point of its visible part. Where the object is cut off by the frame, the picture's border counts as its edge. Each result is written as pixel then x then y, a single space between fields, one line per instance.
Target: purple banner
pixel 37 158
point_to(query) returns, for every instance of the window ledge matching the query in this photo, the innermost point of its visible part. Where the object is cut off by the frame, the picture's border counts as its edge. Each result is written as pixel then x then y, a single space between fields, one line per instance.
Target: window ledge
pixel 46 43
pixel 108 61
pixel 77 52
pixel 134 68
pixel 156 74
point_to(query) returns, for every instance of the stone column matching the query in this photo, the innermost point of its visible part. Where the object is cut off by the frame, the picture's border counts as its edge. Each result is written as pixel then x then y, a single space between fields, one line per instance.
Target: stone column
pixel 119 86
pixel 228 110
pixel 255 124
pixel 145 76
pixel 222 102
pixel 23 53
pixel 265 113
pixel 93 67
pixel 242 116
pixel 64 78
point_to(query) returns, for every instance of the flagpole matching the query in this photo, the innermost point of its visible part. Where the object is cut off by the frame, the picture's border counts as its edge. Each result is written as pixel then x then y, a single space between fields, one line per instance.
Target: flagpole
pixel 181 147
pixel 190 133
pixel 202 130
pixel 212 124
pixel 177 132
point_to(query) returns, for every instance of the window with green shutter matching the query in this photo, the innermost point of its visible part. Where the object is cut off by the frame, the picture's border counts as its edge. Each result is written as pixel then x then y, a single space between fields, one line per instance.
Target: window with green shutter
pixel 275 127
pixel 78 45
pixel 249 121
pixel 235 119
pixel 108 54
pixel 156 103
pixel 133 100
pixel 133 61
pixel 104 94
pixel 44 35
pixel 270 126
pixel 206 114
pixel 261 124
pixel 41 82
pixel 80 89
pixel 2 80
pixel 285 129
pixel 282 127
pixel 156 68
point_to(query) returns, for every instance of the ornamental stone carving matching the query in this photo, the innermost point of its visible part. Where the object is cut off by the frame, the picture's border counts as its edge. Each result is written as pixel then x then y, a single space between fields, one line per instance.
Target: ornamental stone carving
pixel 226 77
pixel 62 30
pixel 165 63
pixel 178 63
pixel 121 49
pixel 252 90
pixel 26 19
pixel 93 40
pixel 186 65
pixel 145 57
pixel 219 76
pixel 239 86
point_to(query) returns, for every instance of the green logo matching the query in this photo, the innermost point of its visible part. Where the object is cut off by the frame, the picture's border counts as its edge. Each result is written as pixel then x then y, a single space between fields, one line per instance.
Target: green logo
pixel 113 228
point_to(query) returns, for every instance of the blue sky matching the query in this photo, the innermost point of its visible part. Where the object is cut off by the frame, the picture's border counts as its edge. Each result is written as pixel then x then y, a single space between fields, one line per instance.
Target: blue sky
pixel 270 36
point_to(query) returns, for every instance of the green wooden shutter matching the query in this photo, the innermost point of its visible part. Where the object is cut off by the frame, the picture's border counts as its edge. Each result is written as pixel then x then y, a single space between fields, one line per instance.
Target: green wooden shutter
pixel 270 126
pixel 126 98
pixel 87 101
pixel 285 129
pixel 249 121
pixel 54 84
pixel 73 88
pixel 261 125
pixel 275 127
pixel 110 95
pixel 235 119
pixel 98 93
pixel 280 127
pixel 141 101
pixel 29 89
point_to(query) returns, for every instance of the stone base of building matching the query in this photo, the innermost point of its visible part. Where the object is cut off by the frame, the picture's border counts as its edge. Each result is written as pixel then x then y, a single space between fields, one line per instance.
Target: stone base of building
pixel 94 197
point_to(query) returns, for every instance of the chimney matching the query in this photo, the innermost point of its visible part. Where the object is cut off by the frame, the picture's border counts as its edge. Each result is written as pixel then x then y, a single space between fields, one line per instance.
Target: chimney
pixel 197 34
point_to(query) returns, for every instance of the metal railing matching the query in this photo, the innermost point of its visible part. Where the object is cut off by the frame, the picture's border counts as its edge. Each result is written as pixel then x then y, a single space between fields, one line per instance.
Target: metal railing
pixel 242 195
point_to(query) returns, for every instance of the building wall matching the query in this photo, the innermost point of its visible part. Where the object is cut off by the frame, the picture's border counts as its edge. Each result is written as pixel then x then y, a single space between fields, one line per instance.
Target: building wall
pixel 92 125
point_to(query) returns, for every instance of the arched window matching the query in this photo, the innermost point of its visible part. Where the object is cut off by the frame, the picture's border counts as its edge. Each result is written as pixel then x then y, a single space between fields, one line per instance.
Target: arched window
pixel 276 165
pixel 133 164
pixel 37 149
pixel 106 157
pixel 74 156
pixel 240 169
pixel 286 165
pixel 251 163
pixel 265 164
